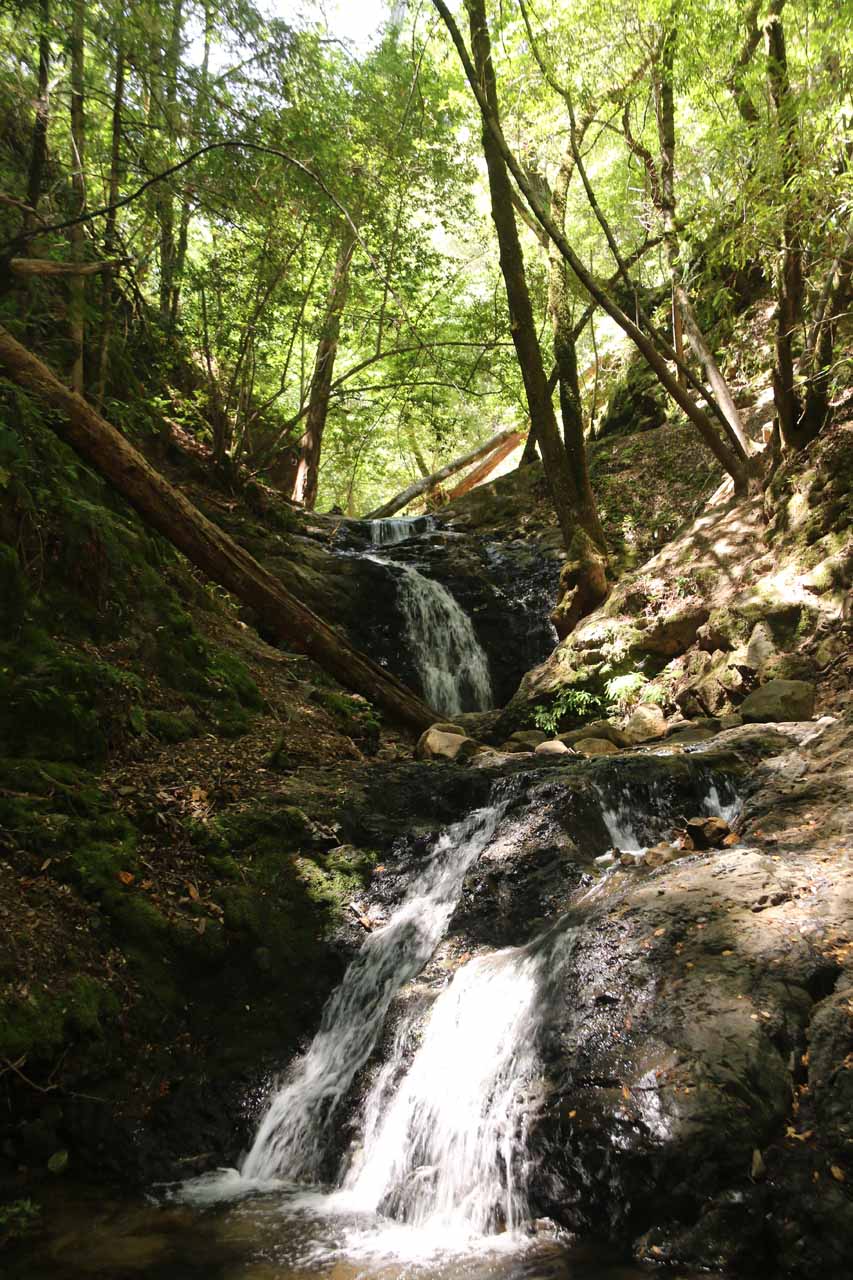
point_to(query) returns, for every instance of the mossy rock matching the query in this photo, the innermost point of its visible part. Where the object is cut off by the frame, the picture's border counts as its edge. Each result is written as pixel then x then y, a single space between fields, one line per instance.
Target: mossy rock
pixel 37 1026
pixel 357 717
pixel 171 726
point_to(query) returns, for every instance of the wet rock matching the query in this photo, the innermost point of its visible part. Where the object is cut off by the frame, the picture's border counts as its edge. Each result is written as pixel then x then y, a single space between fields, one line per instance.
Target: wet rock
pixel 596 747
pixel 779 701
pixel 688 737
pixel 630 859
pixel 647 722
pixel 529 738
pixel 442 727
pixel 707 833
pixel 553 747
pixel 596 729
pixel 660 854
pixel 433 744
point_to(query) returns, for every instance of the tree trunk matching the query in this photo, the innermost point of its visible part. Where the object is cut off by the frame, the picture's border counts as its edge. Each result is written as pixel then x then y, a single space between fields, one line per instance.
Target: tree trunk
pixel 165 202
pixel 308 467
pixel 199 107
pixel 406 496
pixel 565 355
pixel 77 287
pixel 789 277
pixel 728 459
pixel 583 580
pixel 38 154
pixel 665 190
pixel 110 225
pixel 206 545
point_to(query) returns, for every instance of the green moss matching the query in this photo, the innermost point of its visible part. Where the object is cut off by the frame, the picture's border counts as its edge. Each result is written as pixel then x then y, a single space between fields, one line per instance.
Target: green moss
pixel 356 716
pixel 36 1026
pixel 168 726
pixel 14 595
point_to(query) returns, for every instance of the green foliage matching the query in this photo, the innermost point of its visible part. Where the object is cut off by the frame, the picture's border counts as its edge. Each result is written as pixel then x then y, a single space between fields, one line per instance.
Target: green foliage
pixel 623 691
pixel 570 706
pixel 18 1218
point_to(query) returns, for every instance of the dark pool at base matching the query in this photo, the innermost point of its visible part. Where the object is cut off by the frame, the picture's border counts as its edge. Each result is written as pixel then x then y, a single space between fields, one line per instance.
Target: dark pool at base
pixel 90 1235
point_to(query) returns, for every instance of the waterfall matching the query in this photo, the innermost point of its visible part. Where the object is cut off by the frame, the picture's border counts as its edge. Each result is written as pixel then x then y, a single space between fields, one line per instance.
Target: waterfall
pixel 453 667
pixel 292 1139
pixel 384 533
pixel 446 1149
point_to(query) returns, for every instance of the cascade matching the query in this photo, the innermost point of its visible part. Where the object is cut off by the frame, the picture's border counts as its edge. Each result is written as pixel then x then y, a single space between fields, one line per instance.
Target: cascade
pixel 452 665
pixel 632 827
pixel 444 1144
pixel 384 533
pixel 291 1141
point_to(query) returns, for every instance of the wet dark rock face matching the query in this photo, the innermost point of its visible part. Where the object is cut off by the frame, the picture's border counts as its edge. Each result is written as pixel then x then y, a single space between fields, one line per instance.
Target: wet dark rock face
pixel 507 587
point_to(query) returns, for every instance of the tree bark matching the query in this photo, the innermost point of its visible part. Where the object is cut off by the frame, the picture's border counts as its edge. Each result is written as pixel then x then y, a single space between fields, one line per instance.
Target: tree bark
pixel 308 467
pixel 165 509
pixel 583 580
pixel 565 355
pixel 77 288
pixel 789 276
pixel 406 496
pixel 110 224
pixel 165 202
pixel 38 154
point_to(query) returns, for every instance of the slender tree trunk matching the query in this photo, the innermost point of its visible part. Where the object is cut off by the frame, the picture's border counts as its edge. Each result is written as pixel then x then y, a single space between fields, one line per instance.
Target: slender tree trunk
pixel 584 578
pixel 565 356
pixel 789 277
pixel 199 107
pixel 204 543
pixel 165 202
pixel 38 155
pixel 725 455
pixel 110 224
pixel 77 287
pixel 308 467
pixel 665 189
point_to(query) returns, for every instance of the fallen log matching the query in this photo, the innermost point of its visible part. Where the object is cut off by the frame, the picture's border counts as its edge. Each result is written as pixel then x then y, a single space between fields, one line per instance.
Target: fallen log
pixel 485 469
pixel 47 267
pixel 165 509
pixel 403 498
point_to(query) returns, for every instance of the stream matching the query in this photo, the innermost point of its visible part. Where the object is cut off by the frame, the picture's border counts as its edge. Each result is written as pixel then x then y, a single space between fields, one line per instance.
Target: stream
pixel 406 1139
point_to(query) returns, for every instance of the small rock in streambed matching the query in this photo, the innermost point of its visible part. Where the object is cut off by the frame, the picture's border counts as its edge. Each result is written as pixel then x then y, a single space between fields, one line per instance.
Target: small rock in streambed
pixel 706 833
pixel 660 854
pixel 608 859
pixel 529 739
pixel 596 747
pixel 433 744
pixel 553 747
pixel 628 859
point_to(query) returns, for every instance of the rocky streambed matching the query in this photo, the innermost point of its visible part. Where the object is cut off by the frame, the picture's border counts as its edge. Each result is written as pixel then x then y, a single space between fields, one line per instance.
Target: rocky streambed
pixel 688 1094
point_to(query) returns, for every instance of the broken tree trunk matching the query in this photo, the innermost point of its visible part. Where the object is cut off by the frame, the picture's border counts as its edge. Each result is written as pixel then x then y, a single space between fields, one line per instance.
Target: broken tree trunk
pixel 207 546
pixel 485 469
pixel 402 499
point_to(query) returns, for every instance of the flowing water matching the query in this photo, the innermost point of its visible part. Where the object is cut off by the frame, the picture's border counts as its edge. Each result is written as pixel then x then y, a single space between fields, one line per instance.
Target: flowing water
pixel 385 533
pixel 452 664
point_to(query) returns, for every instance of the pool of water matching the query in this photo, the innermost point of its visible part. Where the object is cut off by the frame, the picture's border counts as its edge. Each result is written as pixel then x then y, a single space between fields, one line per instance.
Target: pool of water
pixel 282 1235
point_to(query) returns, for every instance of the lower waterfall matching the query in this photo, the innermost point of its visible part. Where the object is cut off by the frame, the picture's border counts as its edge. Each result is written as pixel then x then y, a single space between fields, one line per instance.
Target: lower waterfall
pixel 292 1140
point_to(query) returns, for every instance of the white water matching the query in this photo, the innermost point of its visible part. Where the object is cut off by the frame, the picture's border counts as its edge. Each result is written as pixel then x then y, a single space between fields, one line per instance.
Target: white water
pixel 446 1150
pixel 384 533
pixel 453 667
pixel 292 1139
pixel 625 822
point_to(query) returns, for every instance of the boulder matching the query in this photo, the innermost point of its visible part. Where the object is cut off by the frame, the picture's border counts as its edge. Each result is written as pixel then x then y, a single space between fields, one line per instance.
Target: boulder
pixel 779 701
pixel 596 729
pixel 596 747
pixel 708 833
pixel 673 633
pixel 442 727
pixel 513 748
pixel 660 854
pixel 553 747
pixel 433 744
pixel 647 722
pixel 688 736
pixel 529 738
